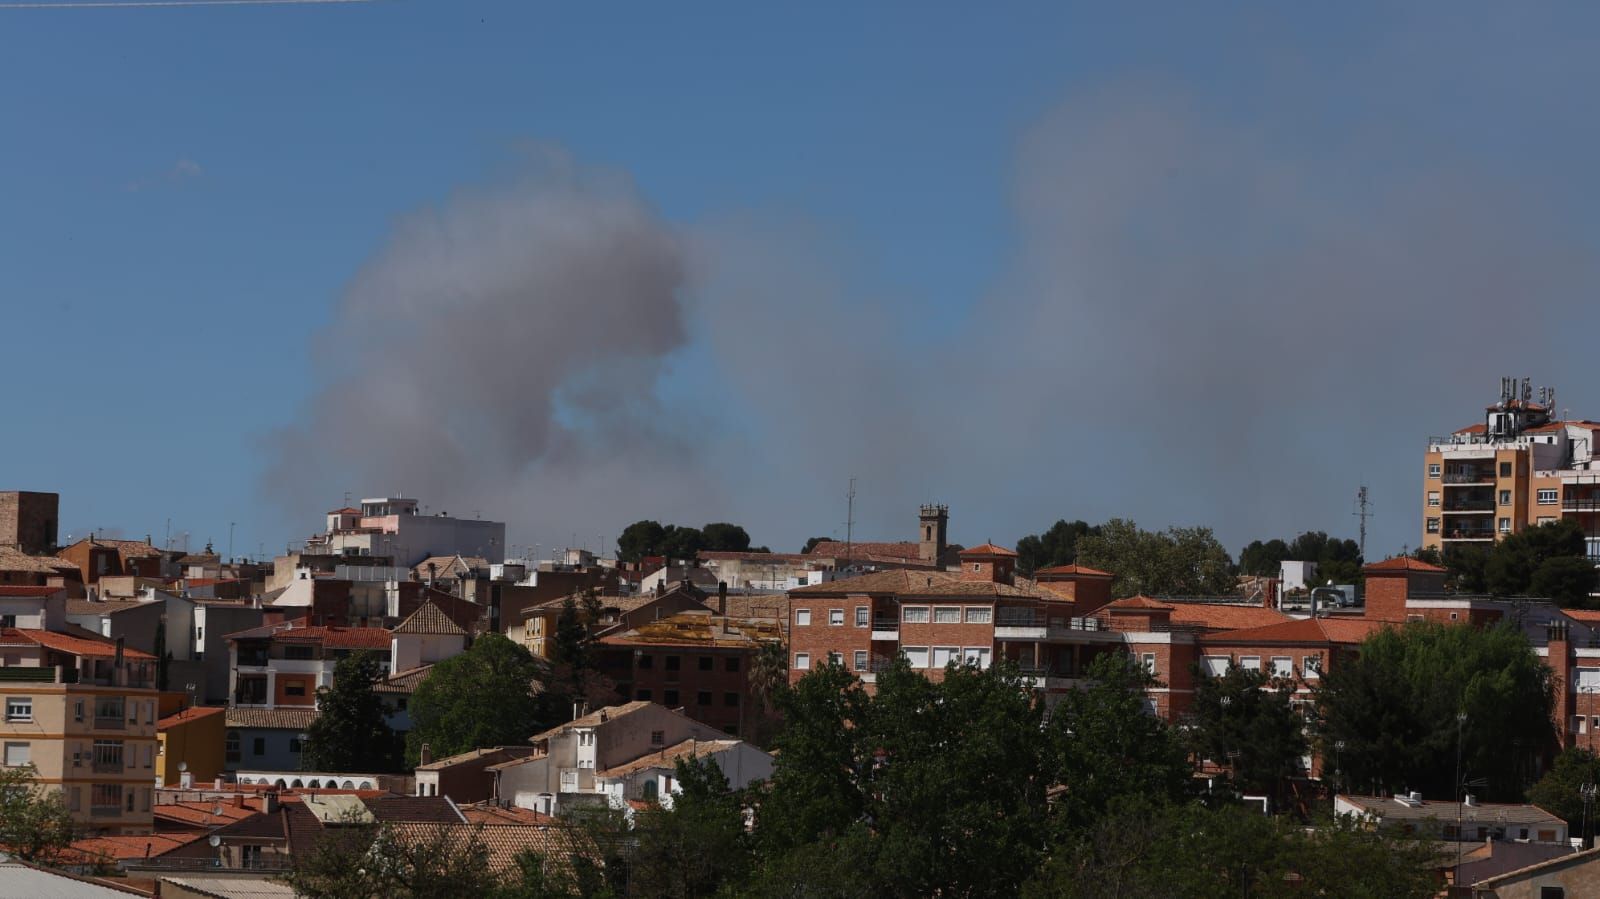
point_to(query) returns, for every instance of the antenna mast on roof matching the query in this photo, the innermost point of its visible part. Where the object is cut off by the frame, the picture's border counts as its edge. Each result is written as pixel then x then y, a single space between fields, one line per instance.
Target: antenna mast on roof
pixel 1363 512
pixel 850 521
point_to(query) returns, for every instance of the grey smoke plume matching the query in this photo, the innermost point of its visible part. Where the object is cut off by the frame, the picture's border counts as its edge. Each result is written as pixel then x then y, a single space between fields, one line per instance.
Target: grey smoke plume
pixel 1214 314
pixel 513 334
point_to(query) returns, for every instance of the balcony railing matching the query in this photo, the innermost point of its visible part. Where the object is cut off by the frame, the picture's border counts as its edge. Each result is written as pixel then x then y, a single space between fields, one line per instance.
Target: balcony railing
pixel 1486 505
pixel 109 722
pixel 885 624
pixel 105 811
pixel 1469 477
pixel 1469 534
pixel 1019 618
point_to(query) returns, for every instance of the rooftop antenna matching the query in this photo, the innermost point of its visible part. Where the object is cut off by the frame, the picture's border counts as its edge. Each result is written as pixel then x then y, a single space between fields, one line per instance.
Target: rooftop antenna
pixel 850 521
pixel 1363 512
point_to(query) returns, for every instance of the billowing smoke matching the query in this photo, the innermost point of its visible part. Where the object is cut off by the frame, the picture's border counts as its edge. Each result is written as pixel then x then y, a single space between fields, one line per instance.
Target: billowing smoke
pixel 1207 318
pixel 512 336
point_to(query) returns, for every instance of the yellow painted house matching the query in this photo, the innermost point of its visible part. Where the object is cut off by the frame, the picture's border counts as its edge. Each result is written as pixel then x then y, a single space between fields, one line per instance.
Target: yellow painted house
pixel 192 737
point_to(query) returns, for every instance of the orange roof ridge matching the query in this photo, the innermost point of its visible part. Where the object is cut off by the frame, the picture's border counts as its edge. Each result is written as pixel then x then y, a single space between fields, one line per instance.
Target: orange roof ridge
pixel 1403 563
pixel 987 549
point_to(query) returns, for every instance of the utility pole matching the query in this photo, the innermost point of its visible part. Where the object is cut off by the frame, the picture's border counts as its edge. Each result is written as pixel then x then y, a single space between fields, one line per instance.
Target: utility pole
pixel 1363 512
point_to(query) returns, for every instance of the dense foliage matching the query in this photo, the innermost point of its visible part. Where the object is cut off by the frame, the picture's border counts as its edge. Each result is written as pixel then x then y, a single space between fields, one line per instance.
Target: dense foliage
pixel 651 538
pixel 1174 562
pixel 351 732
pixel 1337 560
pixel 1394 709
pixel 35 824
pixel 1547 560
pixel 1244 721
pixel 1056 546
pixel 1560 791
pixel 485 696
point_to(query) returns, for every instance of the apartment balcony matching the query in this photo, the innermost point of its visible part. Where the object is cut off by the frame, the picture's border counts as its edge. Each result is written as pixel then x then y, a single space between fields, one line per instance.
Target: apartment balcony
pixel 1483 478
pixel 1029 624
pixel 105 811
pixel 1467 534
pixel 1469 507
pixel 110 722
pixel 107 766
pixel 886 629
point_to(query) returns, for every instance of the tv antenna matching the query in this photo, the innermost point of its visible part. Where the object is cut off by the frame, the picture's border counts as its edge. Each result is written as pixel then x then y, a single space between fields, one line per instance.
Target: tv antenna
pixel 850 520
pixel 1363 511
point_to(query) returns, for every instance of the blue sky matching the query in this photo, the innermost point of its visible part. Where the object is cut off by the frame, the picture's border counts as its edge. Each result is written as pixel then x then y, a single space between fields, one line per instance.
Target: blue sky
pixel 188 195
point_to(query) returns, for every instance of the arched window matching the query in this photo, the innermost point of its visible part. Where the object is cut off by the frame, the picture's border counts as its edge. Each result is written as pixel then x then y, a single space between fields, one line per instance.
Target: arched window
pixel 296 783
pixel 348 785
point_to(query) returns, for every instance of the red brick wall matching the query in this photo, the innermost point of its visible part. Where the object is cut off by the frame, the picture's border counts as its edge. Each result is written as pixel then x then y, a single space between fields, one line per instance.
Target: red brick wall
pixel 820 638
pixel 1386 597
pixel 691 684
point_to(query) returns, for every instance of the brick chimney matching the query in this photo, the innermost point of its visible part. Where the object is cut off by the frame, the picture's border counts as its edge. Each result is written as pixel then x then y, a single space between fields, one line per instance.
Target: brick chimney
pixel 425 755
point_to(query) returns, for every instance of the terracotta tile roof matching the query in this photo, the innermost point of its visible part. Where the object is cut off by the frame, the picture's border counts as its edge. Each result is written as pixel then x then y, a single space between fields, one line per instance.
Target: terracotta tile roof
pixel 488 813
pixel 1478 428
pixel 909 551
pixel 988 549
pixel 127 848
pixel 1302 631
pixel 208 581
pixel 509 752
pixel 1587 616
pixel 106 607
pixel 126 549
pixel 718 555
pixel 557 844
pixel 1140 603
pixel 417 809
pixel 445 566
pixel 19 591
pixel 280 718
pixel 331 636
pixel 13 559
pixel 668 758
pixel 95 647
pixel 1222 617
pixel 755 606
pixel 593 719
pixel 404 681
pixel 429 619
pixel 1073 570
pixel 699 629
pixel 345 511
pixel 1403 563
pixel 194 713
pixel 215 813
pixel 906 582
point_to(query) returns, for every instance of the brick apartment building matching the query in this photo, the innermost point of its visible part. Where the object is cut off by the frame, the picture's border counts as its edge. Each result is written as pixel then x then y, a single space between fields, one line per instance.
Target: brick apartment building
pixel 1522 466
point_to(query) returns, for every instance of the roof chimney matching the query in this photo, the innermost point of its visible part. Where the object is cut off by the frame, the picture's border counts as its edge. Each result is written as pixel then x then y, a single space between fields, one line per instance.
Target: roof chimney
pixel 425 755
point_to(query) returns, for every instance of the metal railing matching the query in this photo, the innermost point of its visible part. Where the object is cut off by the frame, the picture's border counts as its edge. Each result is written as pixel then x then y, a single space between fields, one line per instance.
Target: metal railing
pixel 1468 477
pixel 885 624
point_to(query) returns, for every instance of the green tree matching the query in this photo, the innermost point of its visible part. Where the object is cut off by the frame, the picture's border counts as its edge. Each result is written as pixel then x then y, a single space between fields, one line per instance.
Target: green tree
pixel 1395 705
pixel 482 697
pixel 816 790
pixel 769 676
pixel 351 732
pixel 1566 579
pixel 640 539
pixel 1103 744
pixel 1246 722
pixel 724 537
pixel 35 824
pixel 957 777
pixel 1547 560
pixel 682 542
pixel 696 846
pixel 1056 546
pixel 1177 561
pixel 1559 791
pixel 574 674
pixel 1467 563
pixel 1337 560
pixel 1263 559
pixel 812 542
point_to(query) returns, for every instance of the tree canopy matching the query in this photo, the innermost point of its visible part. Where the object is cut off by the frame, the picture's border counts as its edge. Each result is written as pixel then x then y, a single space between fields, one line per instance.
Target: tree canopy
pixel 482 697
pixel 35 824
pixel 1394 708
pixel 1245 721
pixel 351 731
pixel 651 538
pixel 1056 546
pixel 1337 560
pixel 1559 791
pixel 1176 561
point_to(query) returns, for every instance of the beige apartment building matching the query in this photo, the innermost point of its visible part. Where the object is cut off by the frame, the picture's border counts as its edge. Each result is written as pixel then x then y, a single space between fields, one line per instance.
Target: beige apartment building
pixel 1521 466
pixel 82 712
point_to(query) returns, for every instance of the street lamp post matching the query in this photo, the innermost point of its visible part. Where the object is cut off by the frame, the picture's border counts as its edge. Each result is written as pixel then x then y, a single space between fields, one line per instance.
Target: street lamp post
pixel 1461 721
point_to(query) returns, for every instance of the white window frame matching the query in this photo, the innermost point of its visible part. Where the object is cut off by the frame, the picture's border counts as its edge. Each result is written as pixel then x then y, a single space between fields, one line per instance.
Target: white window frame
pixel 1505 525
pixel 1505 497
pixel 946 614
pixel 861 659
pixel 19 708
pixel 915 615
pixel 1216 666
pixel 980 615
pixel 1433 525
pixel 1433 499
pixel 1250 663
pixel 836 617
pixel 1286 669
pixel 1433 469
pixel 917 656
pixel 1148 659
pixel 835 658
pixel 802 617
pixel 949 653
pixel 1311 665
pixel 1548 496
pixel 863 616
pixel 802 661
pixel 16 754
pixel 977 656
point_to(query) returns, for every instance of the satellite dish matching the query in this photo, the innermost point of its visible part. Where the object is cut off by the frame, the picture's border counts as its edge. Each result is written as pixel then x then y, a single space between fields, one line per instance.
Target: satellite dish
pixel 214 840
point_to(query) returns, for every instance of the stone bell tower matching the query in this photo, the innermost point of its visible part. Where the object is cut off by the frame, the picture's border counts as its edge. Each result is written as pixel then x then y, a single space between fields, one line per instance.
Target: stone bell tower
pixel 933 532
